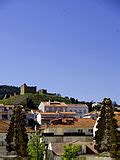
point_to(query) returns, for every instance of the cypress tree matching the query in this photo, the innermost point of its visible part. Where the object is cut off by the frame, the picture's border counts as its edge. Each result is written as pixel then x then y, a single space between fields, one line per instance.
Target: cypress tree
pixel 21 137
pixel 17 137
pixel 9 136
pixel 106 135
pixel 99 134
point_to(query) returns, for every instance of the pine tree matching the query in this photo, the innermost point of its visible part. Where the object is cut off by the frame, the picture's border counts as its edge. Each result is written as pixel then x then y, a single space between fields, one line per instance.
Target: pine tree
pixel 17 135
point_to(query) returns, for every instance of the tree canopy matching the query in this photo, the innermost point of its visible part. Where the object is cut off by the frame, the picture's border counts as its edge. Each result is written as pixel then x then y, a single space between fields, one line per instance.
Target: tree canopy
pixel 71 151
pixel 36 147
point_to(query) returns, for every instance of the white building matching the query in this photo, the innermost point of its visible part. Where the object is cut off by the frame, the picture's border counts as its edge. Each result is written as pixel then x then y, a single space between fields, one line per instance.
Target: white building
pixel 52 107
pixel 80 109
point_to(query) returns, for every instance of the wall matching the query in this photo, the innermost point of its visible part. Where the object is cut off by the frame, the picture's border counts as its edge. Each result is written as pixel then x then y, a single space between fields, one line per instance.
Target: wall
pixel 41 107
pixel 68 138
pixel 61 130
pixel 78 109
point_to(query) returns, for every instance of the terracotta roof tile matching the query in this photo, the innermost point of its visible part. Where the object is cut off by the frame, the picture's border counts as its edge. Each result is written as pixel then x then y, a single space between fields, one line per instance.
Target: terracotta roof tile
pixel 81 123
pixel 57 104
pixel 77 105
pixel 4 125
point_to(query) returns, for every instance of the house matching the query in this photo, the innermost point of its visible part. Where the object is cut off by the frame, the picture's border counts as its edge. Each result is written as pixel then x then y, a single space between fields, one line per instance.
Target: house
pixel 69 129
pixel 46 117
pixel 6 111
pixel 80 109
pixel 29 115
pixel 93 114
pixel 52 106
pixel 4 125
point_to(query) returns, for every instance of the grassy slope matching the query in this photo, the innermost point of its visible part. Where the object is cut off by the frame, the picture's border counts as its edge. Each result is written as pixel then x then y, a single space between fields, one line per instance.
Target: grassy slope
pixel 37 98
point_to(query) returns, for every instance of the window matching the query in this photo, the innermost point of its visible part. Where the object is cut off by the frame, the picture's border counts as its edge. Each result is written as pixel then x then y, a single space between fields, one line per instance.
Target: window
pixel 90 130
pixel 5 109
pixel 80 112
pixel 4 116
pixel 80 130
pixel 52 108
pixel 47 109
pixel 84 111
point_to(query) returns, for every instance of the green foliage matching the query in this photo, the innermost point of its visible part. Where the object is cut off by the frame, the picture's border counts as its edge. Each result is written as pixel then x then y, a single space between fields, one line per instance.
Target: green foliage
pixel 71 151
pixel 106 135
pixel 101 131
pixel 8 90
pixel 35 98
pixel 29 103
pixel 17 137
pixel 36 147
pixel 9 136
pixel 21 137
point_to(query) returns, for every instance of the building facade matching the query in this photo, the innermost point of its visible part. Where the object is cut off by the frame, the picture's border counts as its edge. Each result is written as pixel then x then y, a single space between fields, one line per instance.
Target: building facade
pixel 6 111
pixel 80 109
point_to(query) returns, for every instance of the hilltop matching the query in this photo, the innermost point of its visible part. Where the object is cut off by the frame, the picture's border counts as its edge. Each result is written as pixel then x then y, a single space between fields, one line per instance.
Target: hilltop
pixel 33 99
pixel 11 95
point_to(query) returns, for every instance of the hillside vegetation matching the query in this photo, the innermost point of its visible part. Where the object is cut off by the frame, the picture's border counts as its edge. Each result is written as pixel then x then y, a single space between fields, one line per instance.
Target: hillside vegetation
pixel 6 91
pixel 34 98
pixel 29 100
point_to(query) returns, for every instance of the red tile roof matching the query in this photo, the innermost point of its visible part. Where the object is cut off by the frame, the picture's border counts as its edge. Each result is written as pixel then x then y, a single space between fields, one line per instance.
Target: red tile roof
pixel 79 123
pixel 77 105
pixel 55 104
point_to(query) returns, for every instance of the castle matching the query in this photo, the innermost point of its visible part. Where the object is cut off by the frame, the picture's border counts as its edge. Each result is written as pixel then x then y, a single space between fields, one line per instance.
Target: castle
pixel 27 89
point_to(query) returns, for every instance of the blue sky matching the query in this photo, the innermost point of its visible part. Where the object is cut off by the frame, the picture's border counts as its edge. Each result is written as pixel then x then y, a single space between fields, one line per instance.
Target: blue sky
pixel 67 46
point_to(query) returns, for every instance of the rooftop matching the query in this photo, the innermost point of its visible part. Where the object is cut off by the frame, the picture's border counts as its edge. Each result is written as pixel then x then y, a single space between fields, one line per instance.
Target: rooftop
pixel 56 104
pixel 54 113
pixel 77 105
pixel 58 148
pixel 4 125
pixel 78 123
pixel 62 104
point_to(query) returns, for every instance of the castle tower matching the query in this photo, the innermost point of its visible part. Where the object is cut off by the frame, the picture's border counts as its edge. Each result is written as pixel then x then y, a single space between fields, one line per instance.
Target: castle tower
pixel 23 89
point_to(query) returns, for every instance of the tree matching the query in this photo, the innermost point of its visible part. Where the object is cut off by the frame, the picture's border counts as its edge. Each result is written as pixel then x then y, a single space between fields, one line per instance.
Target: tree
pixel 106 135
pixel 21 137
pixel 100 131
pixel 36 147
pixel 71 151
pixel 72 100
pixel 30 104
pixel 9 136
pixel 96 106
pixel 76 101
pixel 17 137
